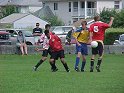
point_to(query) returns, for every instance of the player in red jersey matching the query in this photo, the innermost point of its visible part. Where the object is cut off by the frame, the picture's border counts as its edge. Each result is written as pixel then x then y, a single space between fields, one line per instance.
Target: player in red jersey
pixel 57 51
pixel 97 32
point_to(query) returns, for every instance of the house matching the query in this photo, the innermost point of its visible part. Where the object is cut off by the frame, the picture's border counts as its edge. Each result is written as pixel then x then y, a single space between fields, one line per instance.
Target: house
pixel 23 6
pixel 44 12
pixel 73 10
pixel 22 20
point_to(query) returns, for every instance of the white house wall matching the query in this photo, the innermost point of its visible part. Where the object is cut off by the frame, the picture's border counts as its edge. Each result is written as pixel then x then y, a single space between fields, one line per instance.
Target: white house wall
pixel 62 12
pixel 29 22
pixel 106 4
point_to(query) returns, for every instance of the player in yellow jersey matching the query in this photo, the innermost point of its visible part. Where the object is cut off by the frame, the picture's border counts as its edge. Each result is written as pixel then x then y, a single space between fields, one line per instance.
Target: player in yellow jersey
pixel 82 38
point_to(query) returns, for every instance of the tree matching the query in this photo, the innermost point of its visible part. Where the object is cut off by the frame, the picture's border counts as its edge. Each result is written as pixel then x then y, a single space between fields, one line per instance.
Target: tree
pixel 54 21
pixel 105 15
pixel 119 20
pixel 7 10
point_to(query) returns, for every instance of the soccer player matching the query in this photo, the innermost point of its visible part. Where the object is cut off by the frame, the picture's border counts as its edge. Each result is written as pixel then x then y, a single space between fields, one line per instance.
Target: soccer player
pixel 46 49
pixel 82 38
pixel 97 31
pixel 57 51
pixel 37 32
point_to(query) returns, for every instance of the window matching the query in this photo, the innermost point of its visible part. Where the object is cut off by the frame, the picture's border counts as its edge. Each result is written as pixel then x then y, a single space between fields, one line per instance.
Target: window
pixel 91 4
pixel 55 6
pixel 116 4
pixel 75 6
pixel 82 5
pixel 69 6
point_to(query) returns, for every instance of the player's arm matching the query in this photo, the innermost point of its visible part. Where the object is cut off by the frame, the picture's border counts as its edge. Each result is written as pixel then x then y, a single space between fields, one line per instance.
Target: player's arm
pixel 90 37
pixel 111 21
pixel 39 49
pixel 75 35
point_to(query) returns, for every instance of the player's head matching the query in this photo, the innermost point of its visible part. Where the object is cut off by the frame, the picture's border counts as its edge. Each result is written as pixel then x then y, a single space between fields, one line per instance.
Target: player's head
pixel 84 23
pixel 20 32
pixel 47 33
pixel 37 24
pixel 47 26
pixel 96 18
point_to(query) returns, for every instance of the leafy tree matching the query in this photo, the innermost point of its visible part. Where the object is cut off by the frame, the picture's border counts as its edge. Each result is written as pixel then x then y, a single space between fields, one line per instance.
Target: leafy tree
pixel 119 20
pixel 54 21
pixel 105 15
pixel 7 10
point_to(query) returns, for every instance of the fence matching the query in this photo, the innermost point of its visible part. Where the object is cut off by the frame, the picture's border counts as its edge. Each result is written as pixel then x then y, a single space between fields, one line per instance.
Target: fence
pixel 12 49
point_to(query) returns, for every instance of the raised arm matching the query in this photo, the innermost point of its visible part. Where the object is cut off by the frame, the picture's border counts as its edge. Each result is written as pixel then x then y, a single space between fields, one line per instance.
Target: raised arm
pixel 111 21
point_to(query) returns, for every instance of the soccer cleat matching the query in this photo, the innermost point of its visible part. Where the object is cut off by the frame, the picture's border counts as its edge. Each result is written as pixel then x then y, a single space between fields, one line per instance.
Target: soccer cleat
pixel 34 68
pixel 54 70
pixel 98 68
pixel 91 69
pixel 77 69
pixel 67 70
pixel 82 70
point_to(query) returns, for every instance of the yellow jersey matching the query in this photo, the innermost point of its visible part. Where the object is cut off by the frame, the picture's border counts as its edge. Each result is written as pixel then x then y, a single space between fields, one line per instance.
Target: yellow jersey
pixel 82 36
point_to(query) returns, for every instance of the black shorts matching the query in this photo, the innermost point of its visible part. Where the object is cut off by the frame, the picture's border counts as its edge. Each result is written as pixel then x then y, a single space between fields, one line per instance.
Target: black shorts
pixel 58 54
pixel 98 49
pixel 46 52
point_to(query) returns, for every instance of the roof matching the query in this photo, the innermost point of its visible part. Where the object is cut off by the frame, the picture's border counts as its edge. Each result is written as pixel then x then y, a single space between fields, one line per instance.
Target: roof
pixel 13 17
pixel 44 12
pixel 20 2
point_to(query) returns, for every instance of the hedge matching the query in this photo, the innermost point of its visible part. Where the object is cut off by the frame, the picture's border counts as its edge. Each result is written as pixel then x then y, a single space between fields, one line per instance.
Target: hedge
pixel 112 34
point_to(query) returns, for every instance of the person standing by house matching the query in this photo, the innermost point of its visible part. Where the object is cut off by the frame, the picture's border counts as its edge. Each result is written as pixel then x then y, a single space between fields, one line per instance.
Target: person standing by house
pixel 37 32
pixel 69 38
pixel 81 38
pixel 21 42
pixel 97 31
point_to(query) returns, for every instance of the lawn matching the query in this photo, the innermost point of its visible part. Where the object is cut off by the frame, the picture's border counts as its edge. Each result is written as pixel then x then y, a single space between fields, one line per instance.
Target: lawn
pixel 17 76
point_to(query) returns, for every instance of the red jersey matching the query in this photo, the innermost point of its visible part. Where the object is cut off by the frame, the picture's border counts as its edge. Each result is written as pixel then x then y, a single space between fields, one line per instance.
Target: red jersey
pixel 55 43
pixel 98 29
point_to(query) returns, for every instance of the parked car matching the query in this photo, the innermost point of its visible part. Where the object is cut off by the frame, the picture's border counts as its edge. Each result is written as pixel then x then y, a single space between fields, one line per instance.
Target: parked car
pixel 5 38
pixel 120 41
pixel 62 31
pixel 28 35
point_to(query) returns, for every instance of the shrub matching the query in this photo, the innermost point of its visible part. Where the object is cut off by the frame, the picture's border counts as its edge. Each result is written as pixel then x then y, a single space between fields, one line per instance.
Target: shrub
pixel 112 34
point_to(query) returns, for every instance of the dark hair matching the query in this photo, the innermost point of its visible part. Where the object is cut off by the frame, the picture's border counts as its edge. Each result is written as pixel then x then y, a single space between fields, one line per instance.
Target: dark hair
pixel 37 24
pixel 84 22
pixel 47 25
pixel 96 18
pixel 20 32
pixel 46 32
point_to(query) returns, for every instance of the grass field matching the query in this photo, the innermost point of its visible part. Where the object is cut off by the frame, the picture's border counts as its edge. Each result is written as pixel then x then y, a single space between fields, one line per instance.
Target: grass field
pixel 17 76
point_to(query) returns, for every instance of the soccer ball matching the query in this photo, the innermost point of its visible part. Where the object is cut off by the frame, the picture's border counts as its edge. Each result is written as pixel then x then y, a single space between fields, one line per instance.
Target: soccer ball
pixel 94 44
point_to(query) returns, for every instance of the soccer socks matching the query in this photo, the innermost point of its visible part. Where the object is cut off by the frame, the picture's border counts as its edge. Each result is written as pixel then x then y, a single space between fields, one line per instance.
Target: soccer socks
pixel 39 63
pixel 92 65
pixel 77 62
pixel 99 62
pixel 98 65
pixel 83 65
pixel 66 67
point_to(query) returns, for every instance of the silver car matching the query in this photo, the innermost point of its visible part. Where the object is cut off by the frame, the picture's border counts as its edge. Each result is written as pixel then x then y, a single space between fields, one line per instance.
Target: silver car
pixel 62 31
pixel 120 41
pixel 28 35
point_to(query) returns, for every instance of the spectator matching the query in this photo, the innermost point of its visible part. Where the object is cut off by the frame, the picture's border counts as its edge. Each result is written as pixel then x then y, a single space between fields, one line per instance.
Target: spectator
pixel 22 43
pixel 37 32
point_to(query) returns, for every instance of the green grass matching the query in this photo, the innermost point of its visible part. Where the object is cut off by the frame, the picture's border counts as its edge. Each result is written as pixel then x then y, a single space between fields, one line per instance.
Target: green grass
pixel 16 76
